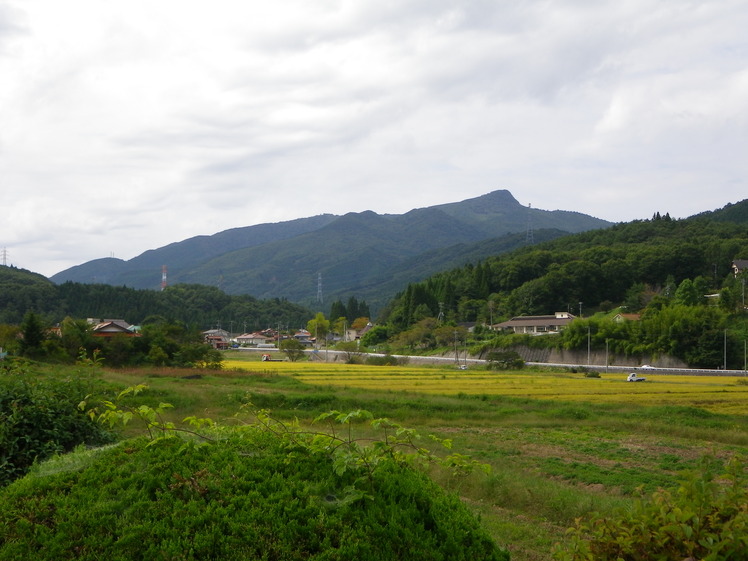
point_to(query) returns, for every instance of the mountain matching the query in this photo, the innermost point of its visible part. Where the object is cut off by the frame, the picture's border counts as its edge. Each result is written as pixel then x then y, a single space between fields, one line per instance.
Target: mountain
pixel 629 264
pixel 357 254
pixel 144 271
pixel 22 290
pixel 736 213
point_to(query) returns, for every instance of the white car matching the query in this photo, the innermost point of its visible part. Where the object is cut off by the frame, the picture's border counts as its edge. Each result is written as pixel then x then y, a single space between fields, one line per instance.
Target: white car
pixel 634 378
pixel 646 367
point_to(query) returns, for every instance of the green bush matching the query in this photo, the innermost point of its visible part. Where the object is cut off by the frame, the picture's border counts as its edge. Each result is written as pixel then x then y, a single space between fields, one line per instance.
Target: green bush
pixel 504 360
pixel 705 518
pixel 40 417
pixel 245 495
pixel 384 360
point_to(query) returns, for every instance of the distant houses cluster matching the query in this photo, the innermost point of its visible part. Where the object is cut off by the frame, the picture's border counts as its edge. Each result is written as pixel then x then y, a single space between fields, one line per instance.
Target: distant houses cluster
pixel 265 339
pixel 271 338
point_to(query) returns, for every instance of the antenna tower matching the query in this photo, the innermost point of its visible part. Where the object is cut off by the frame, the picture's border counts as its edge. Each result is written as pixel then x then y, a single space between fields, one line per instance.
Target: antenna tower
pixel 319 288
pixel 530 238
pixel 5 256
pixel 163 277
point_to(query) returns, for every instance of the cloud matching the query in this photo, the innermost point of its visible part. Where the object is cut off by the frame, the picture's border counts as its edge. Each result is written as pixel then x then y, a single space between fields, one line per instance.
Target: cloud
pixel 126 126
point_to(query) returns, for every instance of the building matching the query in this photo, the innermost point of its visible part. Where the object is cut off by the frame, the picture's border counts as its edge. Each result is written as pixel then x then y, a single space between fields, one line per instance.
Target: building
pixel 537 325
pixel 303 336
pixel 739 266
pixel 112 327
pixel 620 318
pixel 217 338
pixel 256 338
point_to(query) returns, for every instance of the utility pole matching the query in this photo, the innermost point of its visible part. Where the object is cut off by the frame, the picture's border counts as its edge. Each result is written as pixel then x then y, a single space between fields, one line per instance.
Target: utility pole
pixel 724 366
pixel 606 355
pixel 457 354
pixel 588 345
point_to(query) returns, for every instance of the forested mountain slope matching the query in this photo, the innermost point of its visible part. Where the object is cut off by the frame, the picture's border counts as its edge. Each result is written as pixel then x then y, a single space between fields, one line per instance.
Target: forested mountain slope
pixel 201 306
pixel 625 264
pixel 354 254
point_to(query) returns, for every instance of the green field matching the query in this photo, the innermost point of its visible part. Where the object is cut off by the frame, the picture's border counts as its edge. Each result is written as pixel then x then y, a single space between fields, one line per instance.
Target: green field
pixel 560 445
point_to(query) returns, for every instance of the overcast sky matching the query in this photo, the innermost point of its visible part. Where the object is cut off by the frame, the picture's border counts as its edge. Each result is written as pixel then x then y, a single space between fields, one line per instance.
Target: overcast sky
pixel 129 125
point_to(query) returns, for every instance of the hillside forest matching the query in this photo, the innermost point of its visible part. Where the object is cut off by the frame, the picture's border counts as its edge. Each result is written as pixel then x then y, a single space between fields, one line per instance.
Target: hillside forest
pixel 675 274
pixel 171 321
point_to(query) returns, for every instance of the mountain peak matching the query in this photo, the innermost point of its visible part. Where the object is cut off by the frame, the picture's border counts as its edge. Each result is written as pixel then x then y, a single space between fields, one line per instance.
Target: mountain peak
pixel 354 252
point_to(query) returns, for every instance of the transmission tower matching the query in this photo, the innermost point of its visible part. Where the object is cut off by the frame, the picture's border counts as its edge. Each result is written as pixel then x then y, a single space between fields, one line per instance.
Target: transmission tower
pixel 319 288
pixel 5 256
pixel 163 277
pixel 530 238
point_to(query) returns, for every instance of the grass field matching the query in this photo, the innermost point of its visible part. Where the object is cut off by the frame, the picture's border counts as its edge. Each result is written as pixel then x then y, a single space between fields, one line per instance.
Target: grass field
pixel 560 445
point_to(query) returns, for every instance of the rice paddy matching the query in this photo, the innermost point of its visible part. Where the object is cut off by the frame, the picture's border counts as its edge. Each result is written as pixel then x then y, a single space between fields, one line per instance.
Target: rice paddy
pixel 716 394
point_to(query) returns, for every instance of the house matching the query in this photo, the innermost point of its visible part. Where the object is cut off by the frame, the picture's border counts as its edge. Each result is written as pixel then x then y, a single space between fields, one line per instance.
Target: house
pixel 739 266
pixel 356 334
pixel 303 336
pixel 620 318
pixel 252 339
pixel 537 325
pixel 112 327
pixel 217 338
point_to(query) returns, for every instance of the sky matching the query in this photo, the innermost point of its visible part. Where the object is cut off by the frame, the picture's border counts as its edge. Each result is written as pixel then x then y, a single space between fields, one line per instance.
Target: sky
pixel 129 125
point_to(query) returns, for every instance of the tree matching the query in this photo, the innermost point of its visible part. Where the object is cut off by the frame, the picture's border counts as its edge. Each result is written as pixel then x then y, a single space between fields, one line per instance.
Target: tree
pixel 351 351
pixel 352 309
pixel 293 348
pixel 504 360
pixel 375 336
pixel 337 309
pixel 76 334
pixel 339 326
pixel 9 336
pixel 319 326
pixel 33 335
pixel 687 293
pixel 360 322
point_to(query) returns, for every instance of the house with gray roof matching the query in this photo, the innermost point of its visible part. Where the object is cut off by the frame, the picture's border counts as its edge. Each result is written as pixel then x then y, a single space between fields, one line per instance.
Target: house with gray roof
pixel 537 325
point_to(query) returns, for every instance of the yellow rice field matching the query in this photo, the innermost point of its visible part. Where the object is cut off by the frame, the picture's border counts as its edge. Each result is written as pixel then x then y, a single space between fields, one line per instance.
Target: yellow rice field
pixel 719 394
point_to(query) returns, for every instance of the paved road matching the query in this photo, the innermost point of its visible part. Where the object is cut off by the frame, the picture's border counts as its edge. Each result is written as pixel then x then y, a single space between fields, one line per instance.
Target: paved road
pixel 331 355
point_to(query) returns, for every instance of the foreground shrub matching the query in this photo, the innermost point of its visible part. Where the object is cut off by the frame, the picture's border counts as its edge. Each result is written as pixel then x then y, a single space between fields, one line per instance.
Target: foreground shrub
pixel 241 496
pixel 705 519
pixel 39 418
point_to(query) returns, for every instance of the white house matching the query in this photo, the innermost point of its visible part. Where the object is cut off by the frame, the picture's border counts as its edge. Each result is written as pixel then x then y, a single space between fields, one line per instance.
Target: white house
pixel 537 325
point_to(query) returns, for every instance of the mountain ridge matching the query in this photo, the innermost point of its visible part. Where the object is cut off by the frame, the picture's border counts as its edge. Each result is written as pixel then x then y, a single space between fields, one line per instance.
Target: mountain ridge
pixel 351 250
